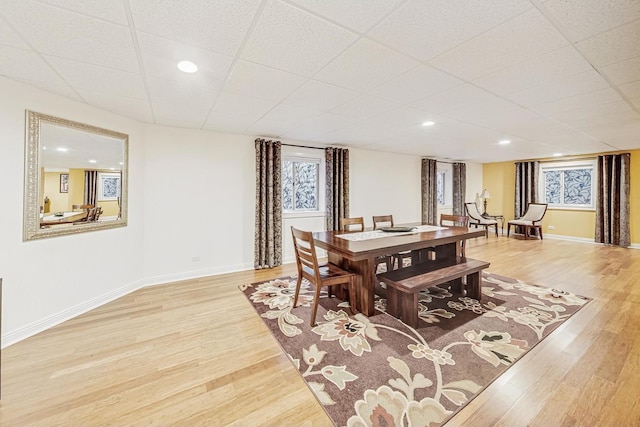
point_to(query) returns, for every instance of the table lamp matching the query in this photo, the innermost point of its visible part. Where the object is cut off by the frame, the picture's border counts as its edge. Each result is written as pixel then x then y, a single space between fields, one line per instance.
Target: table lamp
pixel 484 195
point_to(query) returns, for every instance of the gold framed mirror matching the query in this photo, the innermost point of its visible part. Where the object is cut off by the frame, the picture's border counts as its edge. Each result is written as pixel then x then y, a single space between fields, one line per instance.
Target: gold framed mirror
pixel 75 177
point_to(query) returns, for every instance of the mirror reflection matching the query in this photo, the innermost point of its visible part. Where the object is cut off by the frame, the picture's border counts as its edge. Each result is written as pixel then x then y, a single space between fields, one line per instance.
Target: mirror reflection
pixel 76 177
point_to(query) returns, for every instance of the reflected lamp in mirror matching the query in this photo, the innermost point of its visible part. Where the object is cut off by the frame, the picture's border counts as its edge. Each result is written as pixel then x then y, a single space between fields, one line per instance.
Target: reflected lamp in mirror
pixel 75 177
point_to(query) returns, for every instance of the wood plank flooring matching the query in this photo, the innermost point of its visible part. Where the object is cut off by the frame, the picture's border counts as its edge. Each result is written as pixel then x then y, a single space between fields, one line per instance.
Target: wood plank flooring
pixel 195 353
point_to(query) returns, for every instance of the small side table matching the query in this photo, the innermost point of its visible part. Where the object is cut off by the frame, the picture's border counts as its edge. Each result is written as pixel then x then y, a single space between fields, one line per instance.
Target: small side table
pixel 496 217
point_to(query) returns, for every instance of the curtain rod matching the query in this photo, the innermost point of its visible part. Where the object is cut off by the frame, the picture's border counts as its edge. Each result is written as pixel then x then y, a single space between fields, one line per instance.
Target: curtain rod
pixel 304 146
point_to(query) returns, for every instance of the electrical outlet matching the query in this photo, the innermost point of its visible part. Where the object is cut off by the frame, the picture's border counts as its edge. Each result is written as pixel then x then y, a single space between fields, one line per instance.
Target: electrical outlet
pixel 551 227
pixel 195 259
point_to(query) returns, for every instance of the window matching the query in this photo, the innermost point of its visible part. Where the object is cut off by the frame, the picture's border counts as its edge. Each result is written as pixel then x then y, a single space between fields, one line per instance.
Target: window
pixel 440 187
pixel 300 184
pixel 568 185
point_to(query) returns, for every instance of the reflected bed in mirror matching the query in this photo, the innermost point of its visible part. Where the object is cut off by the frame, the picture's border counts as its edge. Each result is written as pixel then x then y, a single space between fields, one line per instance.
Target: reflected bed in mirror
pixel 75 177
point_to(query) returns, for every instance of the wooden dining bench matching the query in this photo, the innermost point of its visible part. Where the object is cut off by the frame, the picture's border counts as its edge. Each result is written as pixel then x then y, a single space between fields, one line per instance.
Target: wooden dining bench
pixel 404 285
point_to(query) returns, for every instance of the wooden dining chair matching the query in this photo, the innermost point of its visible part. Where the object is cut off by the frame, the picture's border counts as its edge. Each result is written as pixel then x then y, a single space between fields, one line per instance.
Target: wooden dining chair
pixel 319 275
pixel 357 224
pixel 352 224
pixel 447 220
pixel 387 221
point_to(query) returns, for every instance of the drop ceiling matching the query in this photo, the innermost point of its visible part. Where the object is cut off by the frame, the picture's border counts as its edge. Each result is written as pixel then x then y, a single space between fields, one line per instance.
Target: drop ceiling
pixel 556 76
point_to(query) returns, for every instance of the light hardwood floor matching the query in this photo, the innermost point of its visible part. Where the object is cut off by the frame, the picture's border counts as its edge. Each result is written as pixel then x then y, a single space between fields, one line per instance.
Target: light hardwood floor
pixel 195 353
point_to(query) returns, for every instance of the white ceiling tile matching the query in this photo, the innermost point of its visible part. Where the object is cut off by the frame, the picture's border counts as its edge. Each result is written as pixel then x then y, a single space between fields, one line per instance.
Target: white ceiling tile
pixel 364 107
pixel 8 37
pixel 320 96
pixel 119 104
pixel 186 93
pixel 523 37
pixel 290 39
pixel 631 90
pixel 78 37
pixel 225 122
pixel 613 46
pixel 585 18
pixel 587 115
pixel 359 15
pixel 416 84
pixel 249 108
pixel 160 58
pixel 219 25
pixel 109 10
pixel 318 126
pixel 262 82
pixel 563 62
pixel 424 29
pixel 365 65
pixel 178 116
pixel 588 81
pixel 464 102
pixel 621 133
pixel 24 65
pixel 583 100
pixel 268 128
pixel 87 77
pixel 623 72
pixel 291 115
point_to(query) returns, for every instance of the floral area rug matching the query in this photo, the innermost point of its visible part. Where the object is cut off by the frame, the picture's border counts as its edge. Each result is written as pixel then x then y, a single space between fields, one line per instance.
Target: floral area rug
pixel 378 371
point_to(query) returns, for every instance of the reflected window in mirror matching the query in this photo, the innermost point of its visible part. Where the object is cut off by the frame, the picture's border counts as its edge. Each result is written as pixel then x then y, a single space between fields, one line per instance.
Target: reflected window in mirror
pixel 75 177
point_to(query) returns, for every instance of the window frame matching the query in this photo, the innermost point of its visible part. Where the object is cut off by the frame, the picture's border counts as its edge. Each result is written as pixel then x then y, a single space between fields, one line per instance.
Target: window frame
pixel 563 166
pixel 305 155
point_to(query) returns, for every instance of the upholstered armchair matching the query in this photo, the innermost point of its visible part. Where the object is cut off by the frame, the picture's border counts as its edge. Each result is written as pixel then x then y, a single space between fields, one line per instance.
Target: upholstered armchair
pixel 531 220
pixel 476 218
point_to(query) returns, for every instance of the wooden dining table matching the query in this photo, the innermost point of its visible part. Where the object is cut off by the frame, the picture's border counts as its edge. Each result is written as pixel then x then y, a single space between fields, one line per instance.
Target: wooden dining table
pixel 357 252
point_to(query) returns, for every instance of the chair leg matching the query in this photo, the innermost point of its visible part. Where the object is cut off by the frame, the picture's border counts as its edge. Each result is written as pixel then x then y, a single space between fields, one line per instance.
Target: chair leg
pixel 316 299
pixel 496 227
pixel 540 231
pixel 352 295
pixel 526 232
pixel 508 229
pixel 298 285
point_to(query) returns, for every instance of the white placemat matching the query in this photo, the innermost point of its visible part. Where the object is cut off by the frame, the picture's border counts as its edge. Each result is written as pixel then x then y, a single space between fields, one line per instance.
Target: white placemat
pixel 376 234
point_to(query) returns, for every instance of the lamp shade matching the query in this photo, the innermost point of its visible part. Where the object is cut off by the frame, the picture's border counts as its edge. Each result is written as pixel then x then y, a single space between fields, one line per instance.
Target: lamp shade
pixel 485 194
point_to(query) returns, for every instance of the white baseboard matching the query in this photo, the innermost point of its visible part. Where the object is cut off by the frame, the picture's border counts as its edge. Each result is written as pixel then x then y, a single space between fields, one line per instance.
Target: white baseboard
pixel 51 321
pixel 194 274
pixel 583 240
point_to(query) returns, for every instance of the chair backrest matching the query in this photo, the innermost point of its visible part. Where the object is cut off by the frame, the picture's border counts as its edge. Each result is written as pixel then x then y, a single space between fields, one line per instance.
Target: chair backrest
pixel 473 211
pixel 454 220
pixel 352 224
pixel 83 207
pixel 305 251
pixel 98 213
pixel 91 214
pixel 382 221
pixel 535 212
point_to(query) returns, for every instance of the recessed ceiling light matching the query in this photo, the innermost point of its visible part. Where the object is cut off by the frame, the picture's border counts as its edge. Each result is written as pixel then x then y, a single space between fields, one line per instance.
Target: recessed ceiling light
pixel 557 154
pixel 62 149
pixel 504 142
pixel 429 123
pixel 187 66
pixel 121 163
pixel 92 161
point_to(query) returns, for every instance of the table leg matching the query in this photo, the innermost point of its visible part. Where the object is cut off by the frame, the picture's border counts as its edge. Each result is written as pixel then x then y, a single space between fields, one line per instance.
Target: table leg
pixel 365 281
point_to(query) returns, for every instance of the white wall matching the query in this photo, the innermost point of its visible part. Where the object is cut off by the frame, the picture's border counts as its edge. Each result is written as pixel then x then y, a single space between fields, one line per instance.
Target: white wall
pixel 191 194
pixel 384 183
pixel 48 281
pixel 199 203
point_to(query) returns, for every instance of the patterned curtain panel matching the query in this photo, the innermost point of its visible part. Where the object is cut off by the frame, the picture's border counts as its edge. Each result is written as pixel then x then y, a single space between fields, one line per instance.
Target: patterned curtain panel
pixel 337 170
pixel 612 203
pixel 429 191
pixel 526 186
pixel 90 187
pixel 268 232
pixel 459 187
